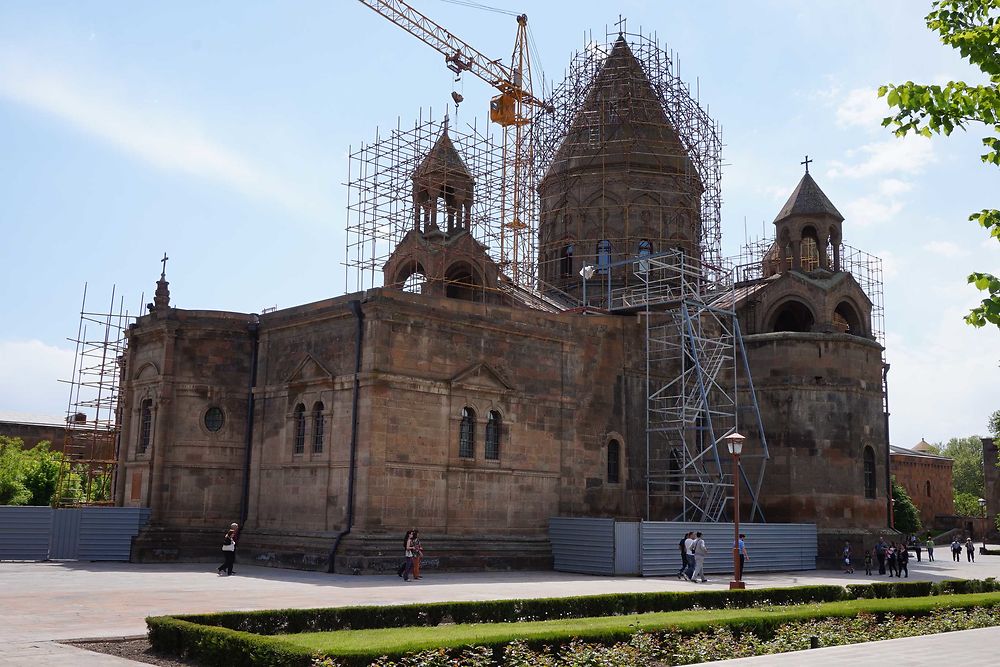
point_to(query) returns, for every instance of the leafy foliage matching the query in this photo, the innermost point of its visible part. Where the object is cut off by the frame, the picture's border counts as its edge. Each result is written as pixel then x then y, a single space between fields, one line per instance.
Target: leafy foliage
pixel 967 471
pixel 906 517
pixel 972 27
pixel 967 504
pixel 27 477
pixel 994 423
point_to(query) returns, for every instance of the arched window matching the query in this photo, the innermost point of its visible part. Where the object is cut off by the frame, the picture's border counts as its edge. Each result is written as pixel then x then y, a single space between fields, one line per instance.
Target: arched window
pixel 927 486
pixel 145 424
pixel 467 434
pixel 793 316
pixel 674 465
pixel 869 459
pixel 566 261
pixel 317 428
pixel 603 255
pixel 846 319
pixel 645 250
pixel 300 428
pixel 493 430
pixel 614 462
pixel 463 283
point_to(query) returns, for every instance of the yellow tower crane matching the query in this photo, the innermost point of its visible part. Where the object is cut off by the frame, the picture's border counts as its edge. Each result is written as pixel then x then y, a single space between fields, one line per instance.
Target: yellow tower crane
pixel 513 109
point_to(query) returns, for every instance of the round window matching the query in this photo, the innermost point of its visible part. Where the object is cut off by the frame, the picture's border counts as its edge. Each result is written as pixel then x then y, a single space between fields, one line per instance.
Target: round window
pixel 214 419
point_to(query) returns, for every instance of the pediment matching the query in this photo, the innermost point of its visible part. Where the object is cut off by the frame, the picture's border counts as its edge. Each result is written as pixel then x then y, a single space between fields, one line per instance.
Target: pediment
pixel 309 370
pixel 481 376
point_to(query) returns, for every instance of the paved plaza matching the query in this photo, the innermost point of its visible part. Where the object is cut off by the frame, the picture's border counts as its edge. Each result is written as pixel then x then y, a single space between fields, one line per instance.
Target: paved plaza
pixel 43 602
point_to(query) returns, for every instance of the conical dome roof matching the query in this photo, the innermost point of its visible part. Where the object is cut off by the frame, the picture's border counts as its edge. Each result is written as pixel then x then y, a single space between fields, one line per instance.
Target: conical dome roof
pixel 621 121
pixel 442 160
pixel 923 446
pixel 808 199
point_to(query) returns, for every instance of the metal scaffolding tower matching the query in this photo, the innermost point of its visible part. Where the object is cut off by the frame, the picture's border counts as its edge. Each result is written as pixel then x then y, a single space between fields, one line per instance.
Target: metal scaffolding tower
pixel 696 370
pixel 90 443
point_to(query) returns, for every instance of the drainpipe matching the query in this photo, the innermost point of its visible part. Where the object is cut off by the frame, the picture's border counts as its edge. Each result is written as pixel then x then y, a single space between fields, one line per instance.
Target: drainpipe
pixel 358 338
pixel 254 329
pixel 888 473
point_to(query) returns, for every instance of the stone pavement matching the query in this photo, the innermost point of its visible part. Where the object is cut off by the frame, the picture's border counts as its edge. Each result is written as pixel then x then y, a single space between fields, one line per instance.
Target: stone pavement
pixel 41 602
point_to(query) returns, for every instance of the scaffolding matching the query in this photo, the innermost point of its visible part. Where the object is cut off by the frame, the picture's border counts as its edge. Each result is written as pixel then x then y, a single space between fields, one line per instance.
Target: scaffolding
pixel 380 208
pixel 758 260
pixel 608 106
pixel 91 439
pixel 696 370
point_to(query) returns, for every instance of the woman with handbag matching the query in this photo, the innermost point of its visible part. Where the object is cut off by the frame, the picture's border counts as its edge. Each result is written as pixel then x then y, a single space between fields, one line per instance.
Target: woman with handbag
pixel 229 550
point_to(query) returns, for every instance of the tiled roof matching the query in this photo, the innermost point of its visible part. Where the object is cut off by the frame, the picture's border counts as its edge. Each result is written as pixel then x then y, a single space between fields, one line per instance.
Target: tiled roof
pixel 808 199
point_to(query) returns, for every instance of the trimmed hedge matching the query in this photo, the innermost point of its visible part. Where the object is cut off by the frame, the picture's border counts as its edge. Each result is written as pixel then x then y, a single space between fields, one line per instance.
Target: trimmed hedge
pixel 246 638
pixel 291 621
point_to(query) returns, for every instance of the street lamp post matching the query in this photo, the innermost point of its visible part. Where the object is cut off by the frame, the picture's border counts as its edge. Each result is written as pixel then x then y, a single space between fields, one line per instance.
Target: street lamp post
pixel 982 507
pixel 587 272
pixel 735 444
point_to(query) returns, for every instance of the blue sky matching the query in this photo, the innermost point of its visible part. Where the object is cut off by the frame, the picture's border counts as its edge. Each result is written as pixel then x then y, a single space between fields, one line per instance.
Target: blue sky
pixel 218 133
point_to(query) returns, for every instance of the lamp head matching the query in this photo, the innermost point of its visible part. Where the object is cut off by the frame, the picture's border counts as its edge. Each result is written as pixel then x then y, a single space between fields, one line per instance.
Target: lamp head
pixel 735 443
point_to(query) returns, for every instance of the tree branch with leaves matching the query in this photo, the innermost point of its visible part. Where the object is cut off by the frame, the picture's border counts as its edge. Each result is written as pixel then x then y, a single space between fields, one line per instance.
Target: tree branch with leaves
pixel 972 27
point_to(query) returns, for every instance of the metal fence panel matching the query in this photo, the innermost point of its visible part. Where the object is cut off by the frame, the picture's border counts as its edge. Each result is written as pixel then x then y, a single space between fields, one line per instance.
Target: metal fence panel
pixel 627 553
pixel 24 533
pixel 106 532
pixel 582 545
pixel 65 539
pixel 772 547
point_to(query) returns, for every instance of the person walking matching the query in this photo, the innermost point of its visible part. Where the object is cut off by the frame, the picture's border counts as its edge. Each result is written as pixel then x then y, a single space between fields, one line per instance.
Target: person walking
pixel 682 547
pixel 741 549
pixel 880 549
pixel 418 554
pixel 689 548
pixel 229 550
pixel 846 564
pixel 891 560
pixel 868 561
pixel 956 550
pixel 915 544
pixel 930 549
pixel 700 552
pixel 902 560
pixel 407 555
pixel 970 551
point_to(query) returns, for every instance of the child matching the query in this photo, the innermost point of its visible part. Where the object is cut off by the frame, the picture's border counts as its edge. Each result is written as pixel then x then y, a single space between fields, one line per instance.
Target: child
pixel 868 562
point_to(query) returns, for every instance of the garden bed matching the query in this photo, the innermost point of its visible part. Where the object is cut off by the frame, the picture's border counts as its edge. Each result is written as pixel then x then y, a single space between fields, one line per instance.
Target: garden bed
pixel 360 635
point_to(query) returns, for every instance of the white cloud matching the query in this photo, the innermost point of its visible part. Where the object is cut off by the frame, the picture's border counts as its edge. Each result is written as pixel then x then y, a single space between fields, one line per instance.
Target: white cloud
pixel 908 155
pixel 862 107
pixel 944 378
pixel 168 139
pixel 30 372
pixel 891 187
pixel 872 210
pixel 945 249
pixel 892 263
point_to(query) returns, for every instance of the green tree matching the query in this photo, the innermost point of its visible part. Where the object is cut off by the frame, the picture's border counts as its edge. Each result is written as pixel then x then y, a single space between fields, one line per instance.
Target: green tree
pixel 972 27
pixel 12 471
pixel 27 477
pixel 905 517
pixel 967 504
pixel 967 471
pixel 994 424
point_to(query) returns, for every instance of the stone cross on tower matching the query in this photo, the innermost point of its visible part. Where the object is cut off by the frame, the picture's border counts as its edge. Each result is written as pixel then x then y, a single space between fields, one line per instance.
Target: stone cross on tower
pixel 806 163
pixel 161 298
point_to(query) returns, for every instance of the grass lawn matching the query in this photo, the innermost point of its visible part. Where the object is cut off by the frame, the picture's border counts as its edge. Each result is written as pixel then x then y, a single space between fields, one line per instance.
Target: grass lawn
pixel 396 641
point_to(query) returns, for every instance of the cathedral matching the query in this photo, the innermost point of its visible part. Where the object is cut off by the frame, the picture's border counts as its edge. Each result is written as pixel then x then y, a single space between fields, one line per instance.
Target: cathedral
pixel 454 401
